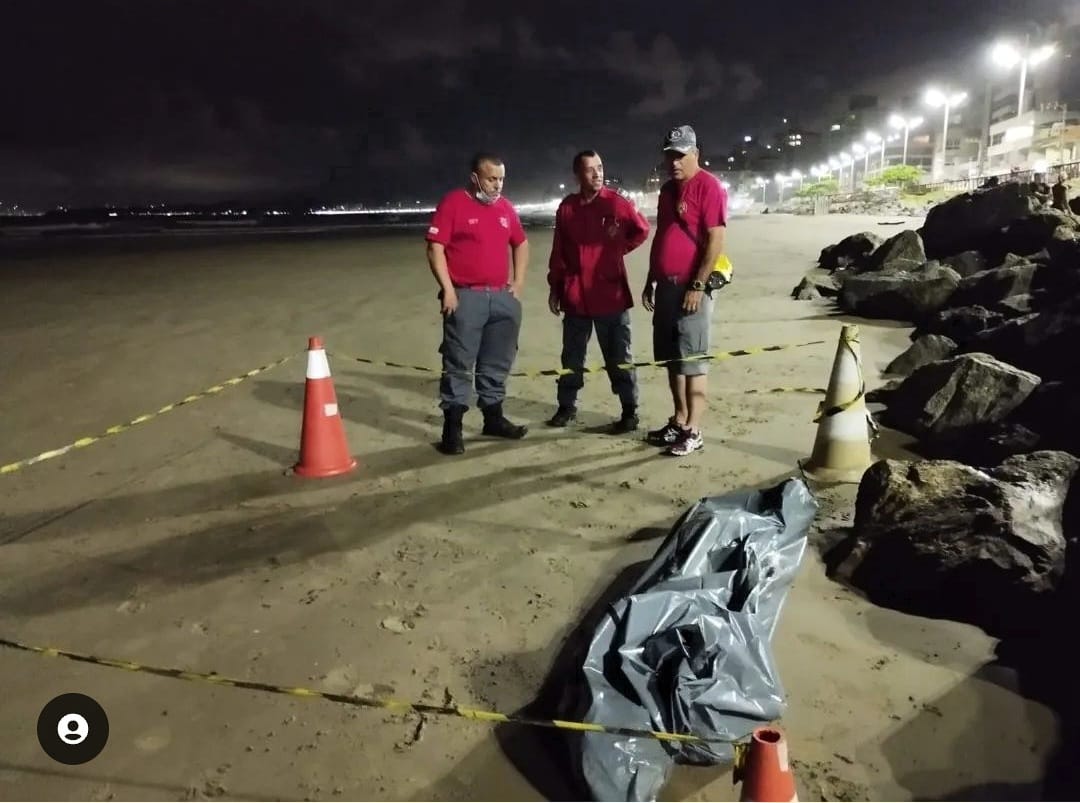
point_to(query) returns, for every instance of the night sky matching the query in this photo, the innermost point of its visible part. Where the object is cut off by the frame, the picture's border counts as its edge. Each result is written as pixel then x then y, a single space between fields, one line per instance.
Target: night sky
pixel 154 100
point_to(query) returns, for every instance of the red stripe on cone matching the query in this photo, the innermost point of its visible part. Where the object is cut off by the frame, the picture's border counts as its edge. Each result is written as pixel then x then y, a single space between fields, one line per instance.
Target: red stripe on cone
pixel 767 775
pixel 323 449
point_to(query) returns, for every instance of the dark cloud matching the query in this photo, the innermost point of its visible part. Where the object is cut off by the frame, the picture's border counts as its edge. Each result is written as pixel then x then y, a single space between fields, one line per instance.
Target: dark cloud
pixel 121 100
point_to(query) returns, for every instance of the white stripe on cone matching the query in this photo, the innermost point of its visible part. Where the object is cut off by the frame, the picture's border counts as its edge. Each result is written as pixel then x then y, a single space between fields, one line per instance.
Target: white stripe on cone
pixel 318 367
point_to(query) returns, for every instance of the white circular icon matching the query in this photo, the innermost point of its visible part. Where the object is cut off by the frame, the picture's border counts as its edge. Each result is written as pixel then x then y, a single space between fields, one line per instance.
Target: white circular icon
pixel 72 729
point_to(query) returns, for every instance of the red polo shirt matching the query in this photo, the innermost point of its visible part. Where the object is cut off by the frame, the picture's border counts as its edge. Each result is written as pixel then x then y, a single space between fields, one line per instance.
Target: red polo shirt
pixel 476 237
pixel 586 269
pixel 701 202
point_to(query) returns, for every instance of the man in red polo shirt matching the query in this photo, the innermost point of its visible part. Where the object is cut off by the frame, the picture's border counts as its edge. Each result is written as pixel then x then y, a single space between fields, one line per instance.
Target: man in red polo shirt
pixel 474 235
pixel 691 222
pixel 594 229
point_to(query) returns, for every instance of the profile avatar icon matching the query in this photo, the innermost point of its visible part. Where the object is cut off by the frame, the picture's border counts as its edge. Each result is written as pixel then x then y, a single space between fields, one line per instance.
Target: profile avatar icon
pixel 73 729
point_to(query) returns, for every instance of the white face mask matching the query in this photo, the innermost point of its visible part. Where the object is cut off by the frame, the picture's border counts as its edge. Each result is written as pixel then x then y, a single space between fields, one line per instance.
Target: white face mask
pixel 482 196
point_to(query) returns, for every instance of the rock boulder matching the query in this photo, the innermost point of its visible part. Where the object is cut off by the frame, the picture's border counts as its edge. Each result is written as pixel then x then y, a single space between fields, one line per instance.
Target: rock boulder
pixel 1062 275
pixel 991 286
pixel 813 287
pixel 973 221
pixel 960 324
pixel 927 349
pixel 953 396
pixel 1052 411
pixel 1044 342
pixel 939 538
pixel 1033 232
pixel 905 245
pixel 902 295
pixel 849 251
pixel 966 263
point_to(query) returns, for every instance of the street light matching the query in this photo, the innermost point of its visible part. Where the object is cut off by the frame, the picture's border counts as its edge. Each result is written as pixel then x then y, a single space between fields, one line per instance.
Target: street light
pixel 798 176
pixel 834 164
pixel 905 123
pixel 948 99
pixel 763 183
pixel 874 138
pixel 858 149
pixel 781 182
pixel 1008 56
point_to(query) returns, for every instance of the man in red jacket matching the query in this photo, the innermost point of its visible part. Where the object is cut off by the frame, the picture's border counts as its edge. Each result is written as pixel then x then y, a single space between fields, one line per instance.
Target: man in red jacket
pixel 594 229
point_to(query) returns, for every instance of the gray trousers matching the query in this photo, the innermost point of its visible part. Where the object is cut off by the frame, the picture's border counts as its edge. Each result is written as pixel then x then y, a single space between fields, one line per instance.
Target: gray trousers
pixel 480 336
pixel 613 334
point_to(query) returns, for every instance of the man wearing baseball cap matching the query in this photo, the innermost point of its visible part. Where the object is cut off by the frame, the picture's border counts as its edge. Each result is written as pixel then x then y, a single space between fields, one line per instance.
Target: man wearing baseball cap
pixel 691 222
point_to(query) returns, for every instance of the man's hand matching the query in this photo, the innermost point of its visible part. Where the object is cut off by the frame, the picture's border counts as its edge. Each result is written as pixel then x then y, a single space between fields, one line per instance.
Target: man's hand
pixel 692 300
pixel 516 290
pixel 449 301
pixel 648 297
pixel 554 304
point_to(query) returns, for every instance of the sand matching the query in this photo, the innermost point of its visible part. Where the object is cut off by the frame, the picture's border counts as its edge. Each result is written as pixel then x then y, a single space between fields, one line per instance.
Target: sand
pixel 184 541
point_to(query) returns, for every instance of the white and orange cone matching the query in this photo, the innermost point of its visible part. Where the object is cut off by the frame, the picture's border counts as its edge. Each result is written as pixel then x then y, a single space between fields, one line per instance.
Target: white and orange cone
pixel 323 449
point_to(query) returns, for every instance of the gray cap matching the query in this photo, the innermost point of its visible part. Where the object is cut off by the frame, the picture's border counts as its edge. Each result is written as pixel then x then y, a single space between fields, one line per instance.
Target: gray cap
pixel 681 139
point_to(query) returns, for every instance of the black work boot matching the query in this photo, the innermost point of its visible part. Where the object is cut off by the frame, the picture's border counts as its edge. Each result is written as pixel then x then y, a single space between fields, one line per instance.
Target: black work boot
pixel 496 425
pixel 628 423
pixel 564 416
pixel 452 442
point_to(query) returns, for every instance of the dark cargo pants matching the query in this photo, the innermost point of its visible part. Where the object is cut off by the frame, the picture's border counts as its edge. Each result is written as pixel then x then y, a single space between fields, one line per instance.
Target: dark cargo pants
pixel 613 334
pixel 481 335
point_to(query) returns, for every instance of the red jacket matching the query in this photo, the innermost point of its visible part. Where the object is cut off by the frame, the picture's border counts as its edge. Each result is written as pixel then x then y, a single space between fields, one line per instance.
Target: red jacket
pixel 586 270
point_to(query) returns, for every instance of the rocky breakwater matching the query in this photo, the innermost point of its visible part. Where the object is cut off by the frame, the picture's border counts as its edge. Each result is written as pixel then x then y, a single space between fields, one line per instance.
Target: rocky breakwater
pixel 985 529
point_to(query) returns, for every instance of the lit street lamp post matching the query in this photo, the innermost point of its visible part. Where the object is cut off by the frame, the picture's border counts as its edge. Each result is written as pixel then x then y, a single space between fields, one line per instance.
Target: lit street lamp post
pixel 845 161
pixel 763 183
pixel 905 123
pixel 948 99
pixel 858 149
pixel 1009 56
pixel 874 139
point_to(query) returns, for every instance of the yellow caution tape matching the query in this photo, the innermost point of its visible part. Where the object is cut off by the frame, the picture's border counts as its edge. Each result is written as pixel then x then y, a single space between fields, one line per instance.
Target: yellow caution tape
pixel 846 340
pixel 816 391
pixel 82 443
pixel 714 356
pixel 448 709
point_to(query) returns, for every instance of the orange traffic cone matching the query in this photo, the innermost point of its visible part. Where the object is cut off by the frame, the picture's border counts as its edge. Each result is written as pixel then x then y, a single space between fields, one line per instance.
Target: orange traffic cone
pixel 765 772
pixel 323 450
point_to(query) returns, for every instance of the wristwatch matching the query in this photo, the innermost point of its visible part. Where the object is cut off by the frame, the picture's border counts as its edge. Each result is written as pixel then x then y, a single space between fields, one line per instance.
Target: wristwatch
pixel 697 284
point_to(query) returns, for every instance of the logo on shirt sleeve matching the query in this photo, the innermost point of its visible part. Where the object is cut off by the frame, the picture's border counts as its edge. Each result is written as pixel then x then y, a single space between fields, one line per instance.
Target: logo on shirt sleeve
pixel 433 230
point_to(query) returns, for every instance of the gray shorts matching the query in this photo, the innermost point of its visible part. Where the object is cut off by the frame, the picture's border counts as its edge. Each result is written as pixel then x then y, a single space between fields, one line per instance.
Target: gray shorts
pixel 678 334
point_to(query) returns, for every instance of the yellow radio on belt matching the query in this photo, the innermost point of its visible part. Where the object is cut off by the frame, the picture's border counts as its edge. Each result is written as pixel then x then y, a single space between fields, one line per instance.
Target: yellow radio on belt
pixel 724 267
pixel 721 274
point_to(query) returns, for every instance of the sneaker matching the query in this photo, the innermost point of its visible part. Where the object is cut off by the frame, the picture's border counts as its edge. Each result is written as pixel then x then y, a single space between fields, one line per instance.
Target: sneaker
pixel 689 443
pixel 667 435
pixel 564 416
